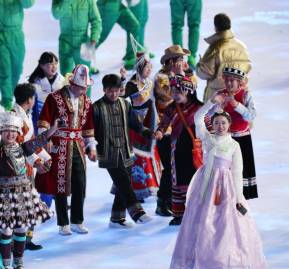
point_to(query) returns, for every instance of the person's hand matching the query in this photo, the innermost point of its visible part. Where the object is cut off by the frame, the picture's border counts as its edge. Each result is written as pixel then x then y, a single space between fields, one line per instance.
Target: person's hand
pixel 123 72
pixel 179 68
pixel 92 155
pixel 53 128
pixel 185 66
pixel 230 99
pixel 218 98
pixel 158 135
pixel 41 166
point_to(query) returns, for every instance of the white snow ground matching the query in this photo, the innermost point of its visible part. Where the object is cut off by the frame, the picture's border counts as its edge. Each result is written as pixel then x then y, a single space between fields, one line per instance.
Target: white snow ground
pixel 264 27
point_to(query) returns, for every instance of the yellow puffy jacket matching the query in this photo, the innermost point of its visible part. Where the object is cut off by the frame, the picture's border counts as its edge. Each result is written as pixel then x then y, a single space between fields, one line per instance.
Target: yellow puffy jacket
pixel 224 50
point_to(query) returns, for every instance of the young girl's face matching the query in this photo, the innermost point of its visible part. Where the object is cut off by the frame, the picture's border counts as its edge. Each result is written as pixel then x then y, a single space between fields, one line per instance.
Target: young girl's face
pixel 232 83
pixel 221 125
pixel 147 70
pixel 50 69
pixel 8 136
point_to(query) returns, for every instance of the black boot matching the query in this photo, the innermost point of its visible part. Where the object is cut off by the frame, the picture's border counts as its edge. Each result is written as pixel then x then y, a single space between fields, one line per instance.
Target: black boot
pixel 163 209
pixel 32 246
pixel 29 244
pixel 176 221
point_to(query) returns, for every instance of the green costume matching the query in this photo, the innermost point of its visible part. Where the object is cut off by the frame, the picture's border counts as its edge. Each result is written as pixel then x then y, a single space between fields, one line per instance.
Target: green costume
pixel 140 10
pixel 12 47
pixel 74 17
pixel 193 8
pixel 112 12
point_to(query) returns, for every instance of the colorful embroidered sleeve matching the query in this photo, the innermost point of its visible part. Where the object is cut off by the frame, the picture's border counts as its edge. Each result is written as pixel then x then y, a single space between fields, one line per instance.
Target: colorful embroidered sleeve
pixel 34 144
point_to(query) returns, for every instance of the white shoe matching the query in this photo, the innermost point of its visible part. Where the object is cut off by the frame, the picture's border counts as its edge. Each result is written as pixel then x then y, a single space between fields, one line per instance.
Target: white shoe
pixel 65 230
pixel 143 219
pixel 79 228
pixel 120 224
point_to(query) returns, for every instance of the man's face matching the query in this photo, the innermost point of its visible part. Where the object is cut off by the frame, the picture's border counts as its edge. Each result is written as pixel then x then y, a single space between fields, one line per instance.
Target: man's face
pixel 78 90
pixel 112 93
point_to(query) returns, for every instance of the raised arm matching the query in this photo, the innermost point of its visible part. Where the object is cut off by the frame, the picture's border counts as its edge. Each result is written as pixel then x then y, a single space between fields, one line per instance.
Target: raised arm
pixel 39 141
pixel 201 130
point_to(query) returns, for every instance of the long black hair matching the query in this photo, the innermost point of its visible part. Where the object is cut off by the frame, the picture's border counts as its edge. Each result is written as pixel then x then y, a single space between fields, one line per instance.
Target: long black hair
pixel 46 57
pixel 193 97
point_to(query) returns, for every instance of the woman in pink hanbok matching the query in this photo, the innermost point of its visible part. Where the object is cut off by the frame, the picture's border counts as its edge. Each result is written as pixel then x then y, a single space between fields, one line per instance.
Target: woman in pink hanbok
pixel 217 230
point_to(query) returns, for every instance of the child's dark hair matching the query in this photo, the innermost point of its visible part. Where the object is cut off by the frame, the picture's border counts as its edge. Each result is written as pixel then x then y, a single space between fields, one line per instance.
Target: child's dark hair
pixel 111 81
pixel 222 22
pixel 23 92
pixel 45 58
pixel 223 114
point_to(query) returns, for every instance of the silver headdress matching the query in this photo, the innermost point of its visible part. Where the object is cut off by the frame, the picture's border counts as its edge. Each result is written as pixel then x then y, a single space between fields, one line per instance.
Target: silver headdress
pixel 9 121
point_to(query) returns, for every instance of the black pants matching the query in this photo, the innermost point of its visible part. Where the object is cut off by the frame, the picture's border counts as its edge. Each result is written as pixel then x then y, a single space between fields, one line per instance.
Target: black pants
pixel 78 184
pixel 124 196
pixel 250 190
pixel 164 148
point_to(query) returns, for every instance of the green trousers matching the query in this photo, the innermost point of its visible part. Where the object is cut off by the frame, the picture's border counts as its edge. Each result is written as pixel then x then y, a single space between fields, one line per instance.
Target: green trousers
pixel 193 8
pixel 113 12
pixel 12 52
pixel 140 11
pixel 69 54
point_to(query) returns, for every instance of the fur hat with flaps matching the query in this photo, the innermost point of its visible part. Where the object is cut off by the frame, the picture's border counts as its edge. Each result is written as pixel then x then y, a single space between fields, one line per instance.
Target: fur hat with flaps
pixel 173 52
pixel 9 121
pixel 80 76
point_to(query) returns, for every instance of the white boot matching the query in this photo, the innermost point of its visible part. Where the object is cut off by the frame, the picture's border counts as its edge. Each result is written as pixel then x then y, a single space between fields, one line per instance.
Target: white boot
pixel 79 228
pixel 65 230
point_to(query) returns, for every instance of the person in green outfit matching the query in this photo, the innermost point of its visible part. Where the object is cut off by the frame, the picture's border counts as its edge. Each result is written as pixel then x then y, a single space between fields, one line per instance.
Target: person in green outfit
pixel 112 12
pixel 74 17
pixel 140 9
pixel 193 8
pixel 12 47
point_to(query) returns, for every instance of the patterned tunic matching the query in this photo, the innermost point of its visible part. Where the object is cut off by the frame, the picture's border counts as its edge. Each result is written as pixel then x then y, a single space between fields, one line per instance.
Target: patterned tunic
pixel 20 205
pixel 78 130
